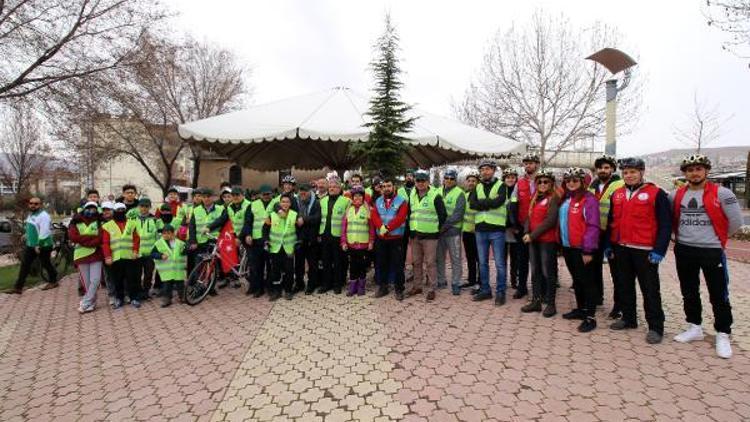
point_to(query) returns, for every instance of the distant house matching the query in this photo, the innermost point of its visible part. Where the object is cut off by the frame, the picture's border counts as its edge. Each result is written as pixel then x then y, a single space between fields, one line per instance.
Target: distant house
pixel 215 169
pixel 58 182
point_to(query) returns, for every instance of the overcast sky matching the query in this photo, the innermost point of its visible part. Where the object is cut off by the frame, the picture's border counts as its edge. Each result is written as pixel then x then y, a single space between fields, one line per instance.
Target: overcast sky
pixel 301 46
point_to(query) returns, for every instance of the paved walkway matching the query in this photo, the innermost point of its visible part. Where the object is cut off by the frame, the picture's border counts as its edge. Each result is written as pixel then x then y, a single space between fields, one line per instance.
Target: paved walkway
pixel 334 358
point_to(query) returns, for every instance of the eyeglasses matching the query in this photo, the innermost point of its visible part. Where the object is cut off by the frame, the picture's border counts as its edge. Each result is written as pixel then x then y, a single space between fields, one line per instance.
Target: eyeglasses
pixel 544 182
pixel 35 203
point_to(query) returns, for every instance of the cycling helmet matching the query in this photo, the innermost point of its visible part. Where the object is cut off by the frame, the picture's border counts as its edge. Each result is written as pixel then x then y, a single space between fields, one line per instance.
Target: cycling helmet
pixel 289 179
pixel 576 172
pixel 695 159
pixel 510 171
pixel 605 159
pixel 473 173
pixel 530 157
pixel 631 162
pixel 357 190
pixel 545 173
pixel 488 163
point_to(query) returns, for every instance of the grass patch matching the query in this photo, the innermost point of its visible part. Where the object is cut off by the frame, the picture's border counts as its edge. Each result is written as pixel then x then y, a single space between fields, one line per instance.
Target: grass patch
pixel 9 274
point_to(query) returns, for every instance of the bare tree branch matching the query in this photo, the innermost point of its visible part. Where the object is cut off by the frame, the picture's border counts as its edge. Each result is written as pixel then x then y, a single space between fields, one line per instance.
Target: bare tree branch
pixel 23 151
pixel 702 126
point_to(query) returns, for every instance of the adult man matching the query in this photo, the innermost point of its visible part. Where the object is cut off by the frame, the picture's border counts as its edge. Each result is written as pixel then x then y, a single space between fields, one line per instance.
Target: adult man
pixel 258 255
pixel 602 187
pixel 426 218
pixel 128 198
pixel 640 223
pixel 144 230
pixel 469 238
pixel 523 193
pixel 405 192
pixel 38 244
pixel 238 212
pixel 388 216
pixel 332 207
pixel 198 231
pixel 308 224
pixel 321 188
pixel 488 199
pixel 450 233
pixel 705 215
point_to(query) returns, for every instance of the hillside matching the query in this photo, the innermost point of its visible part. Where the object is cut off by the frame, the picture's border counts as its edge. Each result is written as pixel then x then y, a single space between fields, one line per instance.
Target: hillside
pixel 661 167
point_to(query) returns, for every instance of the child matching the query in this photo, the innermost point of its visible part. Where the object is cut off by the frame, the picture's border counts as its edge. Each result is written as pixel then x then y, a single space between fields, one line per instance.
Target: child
pixel 85 232
pixel 357 237
pixel 171 264
pixel 281 232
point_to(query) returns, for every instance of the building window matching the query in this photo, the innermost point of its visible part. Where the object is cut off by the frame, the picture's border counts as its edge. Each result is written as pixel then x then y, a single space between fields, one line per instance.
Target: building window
pixel 235 175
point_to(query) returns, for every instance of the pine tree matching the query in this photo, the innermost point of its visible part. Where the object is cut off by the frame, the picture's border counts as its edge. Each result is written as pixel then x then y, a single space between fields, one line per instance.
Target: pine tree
pixel 385 146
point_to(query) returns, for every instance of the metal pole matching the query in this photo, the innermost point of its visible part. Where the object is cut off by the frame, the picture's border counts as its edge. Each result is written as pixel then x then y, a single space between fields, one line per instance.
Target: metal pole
pixel 610 147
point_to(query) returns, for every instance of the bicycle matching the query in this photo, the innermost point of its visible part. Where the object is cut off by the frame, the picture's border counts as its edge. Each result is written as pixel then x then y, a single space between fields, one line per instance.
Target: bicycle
pixel 62 252
pixel 203 277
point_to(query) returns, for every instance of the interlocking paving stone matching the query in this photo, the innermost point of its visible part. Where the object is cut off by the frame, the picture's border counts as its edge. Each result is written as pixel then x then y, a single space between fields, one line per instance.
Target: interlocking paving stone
pixel 329 357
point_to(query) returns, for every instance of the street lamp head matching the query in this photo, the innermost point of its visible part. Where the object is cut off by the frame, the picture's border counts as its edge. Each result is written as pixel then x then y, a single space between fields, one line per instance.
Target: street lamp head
pixel 613 59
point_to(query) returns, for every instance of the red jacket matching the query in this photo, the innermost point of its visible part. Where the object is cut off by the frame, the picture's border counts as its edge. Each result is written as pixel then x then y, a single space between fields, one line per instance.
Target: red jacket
pixel 399 220
pixel 87 241
pixel 719 221
pixel 634 221
pixel 175 206
pixel 537 215
pixel 523 189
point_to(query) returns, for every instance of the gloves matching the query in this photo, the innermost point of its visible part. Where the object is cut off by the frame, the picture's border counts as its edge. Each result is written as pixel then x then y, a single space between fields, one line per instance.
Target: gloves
pixel 383 230
pixel 608 253
pixel 654 257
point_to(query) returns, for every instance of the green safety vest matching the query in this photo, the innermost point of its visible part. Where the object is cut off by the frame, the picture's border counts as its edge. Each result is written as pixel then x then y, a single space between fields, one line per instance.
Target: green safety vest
pixel 403 193
pixel 423 217
pixel 238 217
pixel 358 224
pixel 203 219
pixel 275 201
pixel 174 268
pixel 146 229
pixel 283 232
pixel 605 201
pixel 120 241
pixel 368 191
pixel 259 218
pixel 339 209
pixel 469 216
pixel 184 212
pixel 495 216
pixel 450 202
pixel 84 230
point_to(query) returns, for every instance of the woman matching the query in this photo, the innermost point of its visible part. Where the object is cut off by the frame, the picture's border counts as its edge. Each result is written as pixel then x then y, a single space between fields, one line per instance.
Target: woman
pixel 85 233
pixel 541 235
pixel 510 177
pixel 579 237
pixel 357 240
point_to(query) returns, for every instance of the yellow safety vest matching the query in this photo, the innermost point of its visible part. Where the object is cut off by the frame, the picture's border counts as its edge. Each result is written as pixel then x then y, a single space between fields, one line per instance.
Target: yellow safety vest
pixel 358 224
pixel 423 217
pixel 120 242
pixel 495 216
pixel 283 232
pixel 339 208
pixel 85 230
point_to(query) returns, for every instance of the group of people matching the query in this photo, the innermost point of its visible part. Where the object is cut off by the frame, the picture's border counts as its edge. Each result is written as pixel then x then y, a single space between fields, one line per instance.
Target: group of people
pixel 314 237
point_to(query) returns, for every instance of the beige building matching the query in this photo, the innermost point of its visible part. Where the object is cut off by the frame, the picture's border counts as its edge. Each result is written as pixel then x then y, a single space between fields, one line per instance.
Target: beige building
pixel 214 170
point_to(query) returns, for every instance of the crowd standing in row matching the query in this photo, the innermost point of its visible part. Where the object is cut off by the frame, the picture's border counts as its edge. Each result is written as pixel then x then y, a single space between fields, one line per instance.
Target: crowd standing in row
pixel 324 232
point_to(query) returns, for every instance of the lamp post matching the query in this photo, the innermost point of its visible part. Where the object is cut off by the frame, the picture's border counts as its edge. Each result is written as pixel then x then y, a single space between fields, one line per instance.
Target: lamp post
pixel 615 61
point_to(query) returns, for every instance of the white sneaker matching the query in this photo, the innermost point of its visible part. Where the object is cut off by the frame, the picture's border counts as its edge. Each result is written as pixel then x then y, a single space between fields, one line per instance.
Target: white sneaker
pixel 692 333
pixel 723 347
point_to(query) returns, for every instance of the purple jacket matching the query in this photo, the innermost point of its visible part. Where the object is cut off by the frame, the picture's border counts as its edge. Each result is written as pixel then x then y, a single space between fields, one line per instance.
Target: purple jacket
pixel 591 215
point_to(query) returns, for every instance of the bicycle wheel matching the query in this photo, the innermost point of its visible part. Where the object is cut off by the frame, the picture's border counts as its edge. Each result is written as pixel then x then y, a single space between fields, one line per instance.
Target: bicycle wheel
pixel 243 270
pixel 62 261
pixel 200 282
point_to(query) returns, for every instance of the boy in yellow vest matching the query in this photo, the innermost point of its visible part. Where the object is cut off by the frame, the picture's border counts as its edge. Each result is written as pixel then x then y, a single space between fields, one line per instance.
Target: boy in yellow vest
pixel 119 255
pixel 144 228
pixel 171 264
pixel 281 234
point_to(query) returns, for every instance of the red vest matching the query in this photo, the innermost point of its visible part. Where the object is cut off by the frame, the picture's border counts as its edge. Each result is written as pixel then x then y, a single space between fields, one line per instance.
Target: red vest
pixel 634 221
pixel 537 215
pixel 524 198
pixel 719 221
pixel 576 222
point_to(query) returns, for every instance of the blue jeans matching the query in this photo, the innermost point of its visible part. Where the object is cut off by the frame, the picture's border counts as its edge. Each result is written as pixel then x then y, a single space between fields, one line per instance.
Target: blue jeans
pixel 497 241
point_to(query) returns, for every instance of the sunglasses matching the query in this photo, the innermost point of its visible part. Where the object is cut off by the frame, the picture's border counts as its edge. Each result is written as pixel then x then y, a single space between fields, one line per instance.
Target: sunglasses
pixel 544 182
pixel 35 203
pixel 449 178
pixel 573 180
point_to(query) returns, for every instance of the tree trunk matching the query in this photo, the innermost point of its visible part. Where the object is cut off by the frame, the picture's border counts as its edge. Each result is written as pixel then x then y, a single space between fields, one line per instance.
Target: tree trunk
pixel 196 169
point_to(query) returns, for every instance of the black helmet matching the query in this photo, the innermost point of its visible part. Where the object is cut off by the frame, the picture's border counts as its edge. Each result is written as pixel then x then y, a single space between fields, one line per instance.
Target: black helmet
pixel 605 159
pixel 695 159
pixel 289 179
pixel 631 162
pixel 545 173
pixel 575 172
pixel 530 157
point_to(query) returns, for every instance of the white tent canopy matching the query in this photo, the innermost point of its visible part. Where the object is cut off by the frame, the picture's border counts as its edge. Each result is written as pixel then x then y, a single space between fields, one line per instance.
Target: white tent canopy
pixel 312 132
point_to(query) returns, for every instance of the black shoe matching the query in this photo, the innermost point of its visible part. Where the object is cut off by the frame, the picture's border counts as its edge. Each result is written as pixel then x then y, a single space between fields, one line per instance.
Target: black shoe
pixel 467 285
pixel 382 291
pixel 323 289
pixel 587 325
pixel 399 296
pixel 534 306
pixel 519 294
pixel 475 292
pixel 299 288
pixel 258 293
pixel 309 291
pixel 337 290
pixel 274 296
pixel 615 314
pixel 500 299
pixel 621 324
pixel 575 314
pixel 549 311
pixel 289 295
pixel 513 284
pixel 481 296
